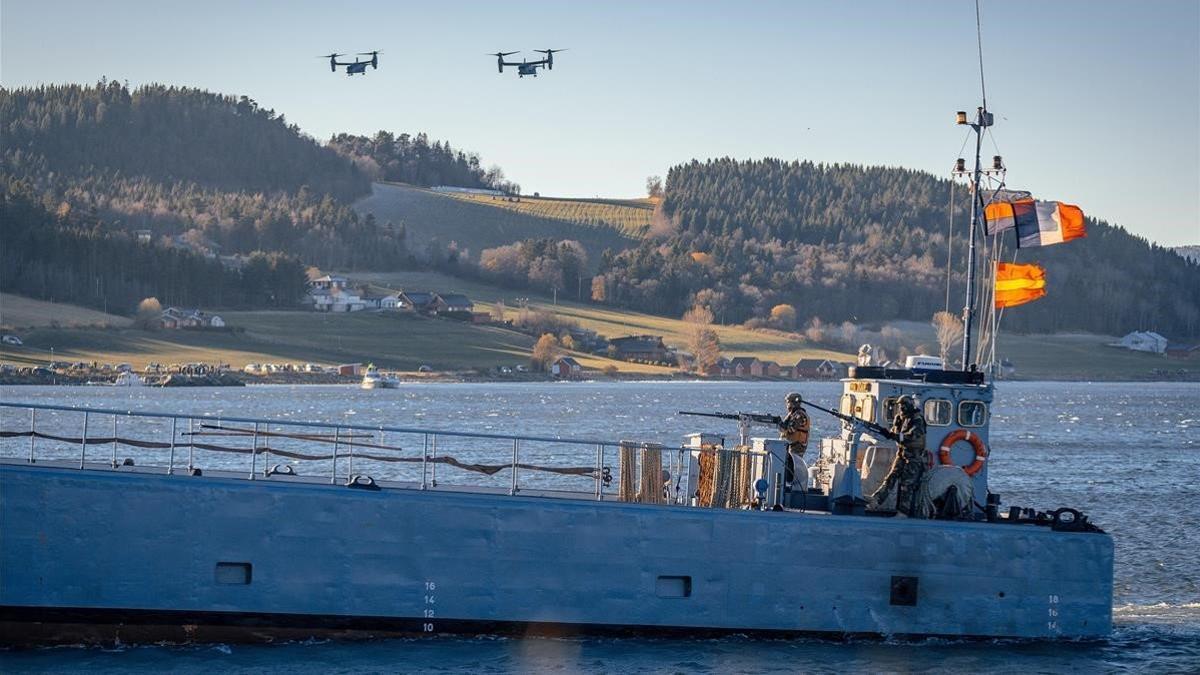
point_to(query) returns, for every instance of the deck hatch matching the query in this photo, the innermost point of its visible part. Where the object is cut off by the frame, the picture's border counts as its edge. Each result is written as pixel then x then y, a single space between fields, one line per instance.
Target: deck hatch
pixel 673 587
pixel 233 573
pixel 904 591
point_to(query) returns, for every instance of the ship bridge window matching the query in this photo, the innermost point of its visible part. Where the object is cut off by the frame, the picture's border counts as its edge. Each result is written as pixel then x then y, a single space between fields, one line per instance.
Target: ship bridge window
pixel 939 412
pixel 972 414
pixel 889 408
pixel 846 405
pixel 865 409
pixel 862 407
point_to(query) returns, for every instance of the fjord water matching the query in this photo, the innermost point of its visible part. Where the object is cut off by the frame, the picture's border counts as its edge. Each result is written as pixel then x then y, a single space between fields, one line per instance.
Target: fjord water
pixel 1128 455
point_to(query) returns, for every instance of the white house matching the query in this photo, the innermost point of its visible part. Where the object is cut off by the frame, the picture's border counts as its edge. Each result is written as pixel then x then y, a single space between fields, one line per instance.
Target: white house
pixel 175 317
pixel 1142 341
pixel 391 302
pixel 335 299
pixel 329 282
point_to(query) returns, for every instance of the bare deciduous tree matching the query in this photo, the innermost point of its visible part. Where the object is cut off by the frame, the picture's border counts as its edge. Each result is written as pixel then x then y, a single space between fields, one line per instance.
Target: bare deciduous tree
pixel 702 339
pixel 654 186
pixel 949 333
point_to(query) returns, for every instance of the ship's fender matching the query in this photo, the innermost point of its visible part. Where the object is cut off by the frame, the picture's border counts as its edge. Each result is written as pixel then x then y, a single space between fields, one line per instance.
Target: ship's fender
pixel 981 450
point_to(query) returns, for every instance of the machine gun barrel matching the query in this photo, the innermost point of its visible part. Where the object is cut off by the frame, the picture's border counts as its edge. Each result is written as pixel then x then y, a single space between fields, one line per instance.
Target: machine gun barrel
pixel 751 417
pixel 879 429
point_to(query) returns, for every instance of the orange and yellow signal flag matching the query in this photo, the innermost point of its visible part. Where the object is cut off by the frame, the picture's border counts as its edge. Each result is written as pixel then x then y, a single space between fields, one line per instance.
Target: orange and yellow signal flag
pixel 1019 284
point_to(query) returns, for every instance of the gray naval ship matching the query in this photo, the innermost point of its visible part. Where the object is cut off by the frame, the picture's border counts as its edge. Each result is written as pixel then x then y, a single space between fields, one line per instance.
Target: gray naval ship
pixel 118 533
pixel 121 525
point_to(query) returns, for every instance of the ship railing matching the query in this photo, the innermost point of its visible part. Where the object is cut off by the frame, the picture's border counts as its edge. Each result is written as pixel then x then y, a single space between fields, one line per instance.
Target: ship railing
pixel 355 455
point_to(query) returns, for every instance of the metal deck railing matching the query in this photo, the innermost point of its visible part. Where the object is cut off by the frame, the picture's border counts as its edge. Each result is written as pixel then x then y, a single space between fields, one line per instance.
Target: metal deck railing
pixel 351 454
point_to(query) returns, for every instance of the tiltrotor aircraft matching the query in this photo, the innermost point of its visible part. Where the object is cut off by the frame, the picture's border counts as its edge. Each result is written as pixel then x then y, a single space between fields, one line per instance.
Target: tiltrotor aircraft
pixel 355 67
pixel 526 67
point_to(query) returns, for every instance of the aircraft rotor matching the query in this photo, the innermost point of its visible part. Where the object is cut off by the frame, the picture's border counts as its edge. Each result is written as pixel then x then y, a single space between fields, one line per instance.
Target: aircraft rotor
pixel 549 56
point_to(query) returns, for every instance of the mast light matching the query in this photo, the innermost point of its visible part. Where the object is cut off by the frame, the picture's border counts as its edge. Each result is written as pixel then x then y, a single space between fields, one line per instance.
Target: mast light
pixel 960 165
pixel 961 117
pixel 997 163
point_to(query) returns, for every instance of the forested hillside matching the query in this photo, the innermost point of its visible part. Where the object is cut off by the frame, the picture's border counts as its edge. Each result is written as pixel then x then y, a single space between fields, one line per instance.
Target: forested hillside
pixel 169 134
pixel 220 173
pixel 414 160
pixel 67 257
pixel 843 242
pixel 212 174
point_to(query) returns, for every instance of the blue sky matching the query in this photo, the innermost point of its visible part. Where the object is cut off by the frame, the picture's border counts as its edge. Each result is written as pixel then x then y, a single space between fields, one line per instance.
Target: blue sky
pixel 1097 103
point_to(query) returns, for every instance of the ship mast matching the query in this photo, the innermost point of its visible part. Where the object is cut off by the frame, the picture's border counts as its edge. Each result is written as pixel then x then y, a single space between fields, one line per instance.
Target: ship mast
pixel 983 120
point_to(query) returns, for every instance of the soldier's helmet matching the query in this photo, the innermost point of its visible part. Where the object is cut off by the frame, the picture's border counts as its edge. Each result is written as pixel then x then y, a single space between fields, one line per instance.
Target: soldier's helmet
pixel 794 400
pixel 908 404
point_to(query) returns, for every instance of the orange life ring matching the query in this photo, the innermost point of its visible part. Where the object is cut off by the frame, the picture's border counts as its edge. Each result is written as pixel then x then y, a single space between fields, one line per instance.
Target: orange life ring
pixel 981 450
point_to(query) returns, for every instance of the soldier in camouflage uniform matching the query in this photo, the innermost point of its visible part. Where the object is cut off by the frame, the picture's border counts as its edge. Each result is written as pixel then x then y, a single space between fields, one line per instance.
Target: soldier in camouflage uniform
pixel 909 466
pixel 794 429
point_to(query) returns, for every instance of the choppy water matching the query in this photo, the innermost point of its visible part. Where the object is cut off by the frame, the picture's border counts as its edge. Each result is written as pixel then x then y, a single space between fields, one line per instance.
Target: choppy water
pixel 1126 454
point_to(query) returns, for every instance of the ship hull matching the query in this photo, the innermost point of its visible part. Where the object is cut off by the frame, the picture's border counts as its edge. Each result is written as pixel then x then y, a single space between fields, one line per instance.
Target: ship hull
pixel 134 554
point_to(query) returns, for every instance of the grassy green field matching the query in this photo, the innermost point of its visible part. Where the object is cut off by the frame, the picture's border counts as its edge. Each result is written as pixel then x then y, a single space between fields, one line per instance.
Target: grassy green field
pixel 389 340
pixel 20 312
pixel 735 340
pixel 1067 356
pixel 400 342
pixel 1059 356
pixel 474 225
pixel 631 216
pixel 1073 356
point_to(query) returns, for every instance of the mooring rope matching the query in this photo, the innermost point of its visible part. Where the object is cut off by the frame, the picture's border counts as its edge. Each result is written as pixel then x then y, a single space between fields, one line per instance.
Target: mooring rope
pixel 486 469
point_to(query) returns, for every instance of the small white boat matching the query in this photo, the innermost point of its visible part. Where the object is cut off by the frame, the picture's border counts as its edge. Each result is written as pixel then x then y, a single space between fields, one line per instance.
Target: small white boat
pixel 373 379
pixel 128 379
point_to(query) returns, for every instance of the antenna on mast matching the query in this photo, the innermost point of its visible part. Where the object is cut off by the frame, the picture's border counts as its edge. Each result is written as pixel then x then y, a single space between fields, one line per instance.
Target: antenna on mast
pixel 983 120
pixel 979 43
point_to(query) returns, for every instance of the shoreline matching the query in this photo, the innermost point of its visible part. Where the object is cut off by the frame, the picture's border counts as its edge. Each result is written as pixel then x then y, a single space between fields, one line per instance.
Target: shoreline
pixel 460 378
